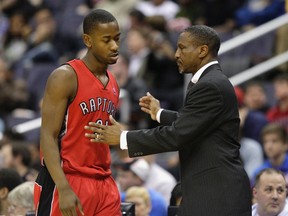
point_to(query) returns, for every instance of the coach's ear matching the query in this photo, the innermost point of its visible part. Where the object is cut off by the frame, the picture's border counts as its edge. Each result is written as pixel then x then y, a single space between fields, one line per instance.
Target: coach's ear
pixel 87 40
pixel 203 51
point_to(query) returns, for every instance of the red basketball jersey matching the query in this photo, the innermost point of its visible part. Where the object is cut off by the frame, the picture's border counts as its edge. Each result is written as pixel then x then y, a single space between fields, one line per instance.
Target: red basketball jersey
pixel 93 102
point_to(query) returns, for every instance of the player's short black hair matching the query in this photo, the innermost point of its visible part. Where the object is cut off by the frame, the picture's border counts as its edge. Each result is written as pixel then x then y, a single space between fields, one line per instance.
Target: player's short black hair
pixel 95 17
pixel 205 35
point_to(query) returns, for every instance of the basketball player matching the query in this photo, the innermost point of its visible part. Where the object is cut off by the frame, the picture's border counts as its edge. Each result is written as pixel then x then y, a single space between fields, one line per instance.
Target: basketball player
pixel 76 176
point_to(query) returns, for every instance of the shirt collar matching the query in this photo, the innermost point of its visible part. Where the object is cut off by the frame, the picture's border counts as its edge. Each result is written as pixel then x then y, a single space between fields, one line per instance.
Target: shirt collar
pixel 198 74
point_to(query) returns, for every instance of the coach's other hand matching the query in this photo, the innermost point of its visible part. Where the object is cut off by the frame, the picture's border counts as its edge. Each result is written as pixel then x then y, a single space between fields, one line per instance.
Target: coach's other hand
pixel 149 105
pixel 104 134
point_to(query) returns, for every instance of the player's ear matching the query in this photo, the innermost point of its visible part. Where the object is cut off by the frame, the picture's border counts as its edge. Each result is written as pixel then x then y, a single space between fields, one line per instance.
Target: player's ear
pixel 87 40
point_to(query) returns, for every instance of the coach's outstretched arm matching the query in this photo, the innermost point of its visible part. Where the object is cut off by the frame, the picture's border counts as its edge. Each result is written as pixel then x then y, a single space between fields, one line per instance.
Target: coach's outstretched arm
pixel 111 134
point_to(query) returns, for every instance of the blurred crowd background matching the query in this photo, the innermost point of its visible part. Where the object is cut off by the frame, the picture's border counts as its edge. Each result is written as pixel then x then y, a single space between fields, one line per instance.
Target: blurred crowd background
pixel 36 36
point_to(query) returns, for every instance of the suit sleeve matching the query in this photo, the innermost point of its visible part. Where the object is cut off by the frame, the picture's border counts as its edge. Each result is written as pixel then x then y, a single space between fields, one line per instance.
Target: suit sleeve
pixel 167 117
pixel 201 114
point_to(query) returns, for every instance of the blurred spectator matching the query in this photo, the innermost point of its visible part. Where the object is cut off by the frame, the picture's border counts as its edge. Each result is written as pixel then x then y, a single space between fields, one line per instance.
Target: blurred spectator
pixel 252 156
pixel 135 88
pixel 15 41
pixel 170 162
pixel 21 201
pixel 219 14
pixel 270 194
pixel 9 179
pixel 139 196
pixel 136 19
pixel 275 145
pixel 27 6
pixel 251 121
pixel 166 8
pixel 137 51
pixel 257 12
pixel 68 16
pixel 41 42
pixel 13 93
pixel 251 151
pixel 279 112
pixel 193 10
pixel 162 76
pixel 167 84
pixel 158 178
pixel 255 97
pixel 17 155
pixel 119 9
pixel 134 173
pixel 151 58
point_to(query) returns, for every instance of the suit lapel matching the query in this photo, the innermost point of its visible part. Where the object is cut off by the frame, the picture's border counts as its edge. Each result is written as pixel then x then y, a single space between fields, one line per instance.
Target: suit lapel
pixel 191 84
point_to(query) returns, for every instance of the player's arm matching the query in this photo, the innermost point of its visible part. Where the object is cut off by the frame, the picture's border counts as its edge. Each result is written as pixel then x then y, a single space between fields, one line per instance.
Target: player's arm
pixel 60 88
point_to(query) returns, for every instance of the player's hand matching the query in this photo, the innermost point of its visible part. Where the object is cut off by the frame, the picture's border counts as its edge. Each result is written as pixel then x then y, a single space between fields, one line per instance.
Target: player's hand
pixel 104 134
pixel 69 203
pixel 150 105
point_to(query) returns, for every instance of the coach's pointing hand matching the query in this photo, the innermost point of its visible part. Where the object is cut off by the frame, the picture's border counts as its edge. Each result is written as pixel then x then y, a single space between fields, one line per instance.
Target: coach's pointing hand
pixel 150 105
pixel 104 134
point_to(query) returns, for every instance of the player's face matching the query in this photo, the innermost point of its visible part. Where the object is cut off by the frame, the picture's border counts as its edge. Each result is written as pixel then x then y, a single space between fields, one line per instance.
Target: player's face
pixel 187 54
pixel 104 43
pixel 270 194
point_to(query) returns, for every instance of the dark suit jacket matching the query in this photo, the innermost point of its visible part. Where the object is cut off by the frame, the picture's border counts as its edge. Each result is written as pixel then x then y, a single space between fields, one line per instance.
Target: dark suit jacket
pixel 205 132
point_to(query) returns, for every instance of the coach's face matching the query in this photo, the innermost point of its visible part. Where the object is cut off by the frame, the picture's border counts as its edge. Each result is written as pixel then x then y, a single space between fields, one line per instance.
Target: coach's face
pixel 189 55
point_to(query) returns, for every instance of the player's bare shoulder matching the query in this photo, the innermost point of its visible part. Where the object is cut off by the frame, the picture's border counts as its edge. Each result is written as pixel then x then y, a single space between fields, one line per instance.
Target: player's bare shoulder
pixel 63 79
pixel 64 72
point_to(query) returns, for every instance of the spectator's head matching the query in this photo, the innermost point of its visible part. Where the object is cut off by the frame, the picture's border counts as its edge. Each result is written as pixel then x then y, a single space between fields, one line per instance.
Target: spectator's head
pixel 16 154
pixel 44 19
pixel 136 40
pixel 255 97
pixel 274 139
pixel 21 199
pixel 9 179
pixel 281 87
pixel 137 18
pixel 132 173
pixel 139 196
pixel 270 192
